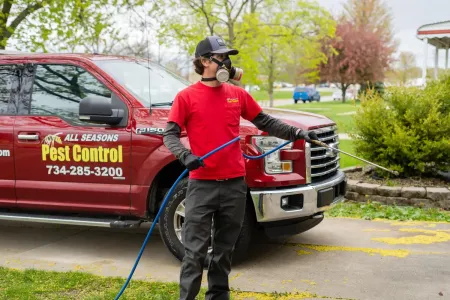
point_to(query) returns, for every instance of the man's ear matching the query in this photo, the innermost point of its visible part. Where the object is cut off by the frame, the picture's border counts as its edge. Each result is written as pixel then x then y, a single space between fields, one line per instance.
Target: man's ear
pixel 205 62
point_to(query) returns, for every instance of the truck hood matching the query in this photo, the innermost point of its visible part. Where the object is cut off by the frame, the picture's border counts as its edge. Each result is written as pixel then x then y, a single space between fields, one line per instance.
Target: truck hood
pixel 304 120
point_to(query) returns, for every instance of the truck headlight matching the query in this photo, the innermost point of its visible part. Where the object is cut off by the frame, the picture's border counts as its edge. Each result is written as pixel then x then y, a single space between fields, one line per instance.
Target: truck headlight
pixel 272 162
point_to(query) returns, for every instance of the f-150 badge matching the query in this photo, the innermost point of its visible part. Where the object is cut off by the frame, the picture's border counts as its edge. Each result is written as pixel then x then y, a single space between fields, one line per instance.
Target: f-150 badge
pixel 149 130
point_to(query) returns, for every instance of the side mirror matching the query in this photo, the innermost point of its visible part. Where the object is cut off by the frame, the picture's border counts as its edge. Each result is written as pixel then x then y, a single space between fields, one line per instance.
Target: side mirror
pixel 98 109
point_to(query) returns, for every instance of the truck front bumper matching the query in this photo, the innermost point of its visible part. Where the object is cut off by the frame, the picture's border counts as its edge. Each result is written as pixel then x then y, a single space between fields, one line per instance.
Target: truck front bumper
pixel 304 201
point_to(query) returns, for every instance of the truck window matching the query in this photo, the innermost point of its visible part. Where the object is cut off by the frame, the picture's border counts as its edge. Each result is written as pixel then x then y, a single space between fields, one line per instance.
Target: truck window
pixel 8 90
pixel 58 89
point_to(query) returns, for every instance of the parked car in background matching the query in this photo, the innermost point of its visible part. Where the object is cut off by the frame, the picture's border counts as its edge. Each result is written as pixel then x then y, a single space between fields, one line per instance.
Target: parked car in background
pixel 349 94
pixel 306 94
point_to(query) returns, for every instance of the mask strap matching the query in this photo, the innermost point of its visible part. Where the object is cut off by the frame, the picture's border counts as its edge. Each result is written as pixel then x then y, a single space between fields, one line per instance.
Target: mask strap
pixel 209 79
pixel 216 61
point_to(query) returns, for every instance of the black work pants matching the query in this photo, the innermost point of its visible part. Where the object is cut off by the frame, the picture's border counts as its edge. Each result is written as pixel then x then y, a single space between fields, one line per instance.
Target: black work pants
pixel 225 202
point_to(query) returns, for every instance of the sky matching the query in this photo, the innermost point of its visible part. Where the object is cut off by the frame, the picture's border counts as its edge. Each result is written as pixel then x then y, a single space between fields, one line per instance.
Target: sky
pixel 408 16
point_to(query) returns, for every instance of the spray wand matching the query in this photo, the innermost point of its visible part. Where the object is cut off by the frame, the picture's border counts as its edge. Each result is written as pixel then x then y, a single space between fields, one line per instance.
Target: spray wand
pixel 366 161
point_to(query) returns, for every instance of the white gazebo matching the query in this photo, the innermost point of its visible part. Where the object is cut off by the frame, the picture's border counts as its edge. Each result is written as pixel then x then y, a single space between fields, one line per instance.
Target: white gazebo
pixel 438 35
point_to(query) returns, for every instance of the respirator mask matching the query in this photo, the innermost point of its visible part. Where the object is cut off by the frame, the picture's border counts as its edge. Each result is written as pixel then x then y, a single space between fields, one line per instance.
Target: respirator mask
pixel 226 71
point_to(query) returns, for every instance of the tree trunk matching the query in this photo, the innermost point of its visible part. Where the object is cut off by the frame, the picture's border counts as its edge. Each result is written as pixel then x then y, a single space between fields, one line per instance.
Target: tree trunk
pixel 344 89
pixel 253 6
pixel 271 75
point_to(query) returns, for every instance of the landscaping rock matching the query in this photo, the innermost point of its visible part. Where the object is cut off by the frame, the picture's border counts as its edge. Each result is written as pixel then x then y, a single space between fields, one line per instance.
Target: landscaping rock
pixel 400 201
pixel 368 169
pixel 362 198
pixel 422 202
pixel 389 191
pixel 377 198
pixel 438 194
pixel 445 204
pixel 351 185
pixel 351 169
pixel 413 192
pixel 351 196
pixel 366 188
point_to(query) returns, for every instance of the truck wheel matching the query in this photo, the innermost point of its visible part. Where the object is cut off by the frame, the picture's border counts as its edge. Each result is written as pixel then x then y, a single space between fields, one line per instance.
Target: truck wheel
pixel 172 219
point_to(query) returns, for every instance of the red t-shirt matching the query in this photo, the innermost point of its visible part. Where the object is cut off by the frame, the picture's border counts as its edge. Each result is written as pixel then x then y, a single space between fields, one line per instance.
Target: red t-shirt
pixel 211 117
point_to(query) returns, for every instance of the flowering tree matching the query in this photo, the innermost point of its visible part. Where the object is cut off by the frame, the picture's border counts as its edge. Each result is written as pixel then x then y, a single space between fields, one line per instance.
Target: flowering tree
pixel 357 55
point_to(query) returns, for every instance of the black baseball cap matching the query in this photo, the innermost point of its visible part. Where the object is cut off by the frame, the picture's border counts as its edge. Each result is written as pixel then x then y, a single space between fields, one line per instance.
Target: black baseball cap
pixel 213 45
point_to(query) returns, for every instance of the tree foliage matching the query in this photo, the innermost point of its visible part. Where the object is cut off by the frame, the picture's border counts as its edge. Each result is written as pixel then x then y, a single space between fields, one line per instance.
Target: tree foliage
pixel 405 68
pixel 39 24
pixel 371 15
pixel 358 56
pixel 291 37
pixel 269 34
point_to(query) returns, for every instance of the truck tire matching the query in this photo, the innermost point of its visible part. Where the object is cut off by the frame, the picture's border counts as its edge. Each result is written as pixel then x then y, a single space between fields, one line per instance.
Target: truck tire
pixel 172 218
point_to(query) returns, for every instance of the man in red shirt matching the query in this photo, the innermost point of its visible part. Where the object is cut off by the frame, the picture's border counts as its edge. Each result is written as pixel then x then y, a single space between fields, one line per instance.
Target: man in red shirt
pixel 209 111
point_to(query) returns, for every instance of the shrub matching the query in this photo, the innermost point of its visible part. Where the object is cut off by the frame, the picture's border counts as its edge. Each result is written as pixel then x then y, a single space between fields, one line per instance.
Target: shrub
pixel 406 129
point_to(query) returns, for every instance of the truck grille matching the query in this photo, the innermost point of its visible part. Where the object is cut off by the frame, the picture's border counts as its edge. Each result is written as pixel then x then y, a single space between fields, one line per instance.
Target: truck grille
pixel 323 163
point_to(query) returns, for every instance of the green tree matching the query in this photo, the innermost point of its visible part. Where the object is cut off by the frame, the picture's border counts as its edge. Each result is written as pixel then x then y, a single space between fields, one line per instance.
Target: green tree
pixel 265 32
pixel 292 36
pixel 35 24
pixel 185 22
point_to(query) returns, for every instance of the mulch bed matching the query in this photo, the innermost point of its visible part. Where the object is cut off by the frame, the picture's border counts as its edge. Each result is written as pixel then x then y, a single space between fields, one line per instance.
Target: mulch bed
pixel 412 181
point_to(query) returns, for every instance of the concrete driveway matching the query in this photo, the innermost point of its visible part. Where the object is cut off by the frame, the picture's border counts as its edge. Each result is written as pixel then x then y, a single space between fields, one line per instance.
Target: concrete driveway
pixel 341 258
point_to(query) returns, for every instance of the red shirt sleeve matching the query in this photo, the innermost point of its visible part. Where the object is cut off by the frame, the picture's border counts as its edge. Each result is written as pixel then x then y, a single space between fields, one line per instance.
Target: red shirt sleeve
pixel 250 108
pixel 179 111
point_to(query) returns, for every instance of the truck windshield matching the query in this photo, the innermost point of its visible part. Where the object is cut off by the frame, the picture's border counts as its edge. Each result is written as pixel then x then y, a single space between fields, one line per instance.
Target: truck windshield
pixel 161 88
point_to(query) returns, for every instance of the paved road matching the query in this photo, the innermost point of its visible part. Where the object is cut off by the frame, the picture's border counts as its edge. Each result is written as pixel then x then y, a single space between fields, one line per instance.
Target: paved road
pixel 290 101
pixel 352 259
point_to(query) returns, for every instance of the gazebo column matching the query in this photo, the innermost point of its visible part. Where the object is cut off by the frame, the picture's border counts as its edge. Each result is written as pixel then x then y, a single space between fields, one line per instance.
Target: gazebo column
pixel 446 57
pixel 436 62
pixel 425 52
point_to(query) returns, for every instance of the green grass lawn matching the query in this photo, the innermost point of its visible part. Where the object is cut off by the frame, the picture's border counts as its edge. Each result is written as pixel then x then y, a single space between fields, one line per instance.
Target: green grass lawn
pixel 279 95
pixel 346 160
pixel 37 284
pixel 337 111
pixel 374 210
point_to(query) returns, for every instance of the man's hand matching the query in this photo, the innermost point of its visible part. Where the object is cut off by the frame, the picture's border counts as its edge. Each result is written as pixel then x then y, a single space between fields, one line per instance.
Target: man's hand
pixel 193 162
pixel 307 135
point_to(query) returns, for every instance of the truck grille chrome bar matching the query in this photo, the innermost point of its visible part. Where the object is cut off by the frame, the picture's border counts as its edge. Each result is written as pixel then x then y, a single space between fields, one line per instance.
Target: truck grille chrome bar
pixel 324 163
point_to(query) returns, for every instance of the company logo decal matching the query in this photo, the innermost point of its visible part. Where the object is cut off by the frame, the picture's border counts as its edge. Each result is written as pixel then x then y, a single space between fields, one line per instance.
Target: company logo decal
pixel 53 149
pixel 232 100
pixel 5 153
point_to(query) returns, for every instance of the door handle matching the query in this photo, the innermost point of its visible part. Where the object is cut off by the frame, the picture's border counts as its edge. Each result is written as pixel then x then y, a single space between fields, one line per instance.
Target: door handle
pixel 28 137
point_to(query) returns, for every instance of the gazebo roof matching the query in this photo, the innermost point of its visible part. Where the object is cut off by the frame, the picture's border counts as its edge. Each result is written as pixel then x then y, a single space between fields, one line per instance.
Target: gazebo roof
pixel 438 34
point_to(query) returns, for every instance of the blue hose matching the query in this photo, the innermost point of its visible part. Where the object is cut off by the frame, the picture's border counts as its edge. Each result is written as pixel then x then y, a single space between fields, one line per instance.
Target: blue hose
pixel 166 199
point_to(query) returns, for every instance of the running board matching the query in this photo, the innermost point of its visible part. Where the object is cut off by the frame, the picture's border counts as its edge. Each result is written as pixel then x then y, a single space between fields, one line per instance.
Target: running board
pixel 112 223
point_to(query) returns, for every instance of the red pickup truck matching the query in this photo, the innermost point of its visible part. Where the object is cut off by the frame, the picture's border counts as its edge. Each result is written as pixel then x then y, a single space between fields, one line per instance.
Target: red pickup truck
pixel 81 144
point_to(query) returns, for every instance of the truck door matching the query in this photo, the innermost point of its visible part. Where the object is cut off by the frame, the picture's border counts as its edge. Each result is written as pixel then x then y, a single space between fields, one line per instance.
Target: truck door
pixel 8 90
pixel 63 163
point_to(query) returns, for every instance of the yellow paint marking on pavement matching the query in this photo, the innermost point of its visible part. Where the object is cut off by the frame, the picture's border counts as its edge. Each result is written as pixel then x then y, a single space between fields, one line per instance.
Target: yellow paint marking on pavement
pixel 371 251
pixel 433 236
pixel 376 230
pixel 303 252
pixel 310 282
pixel 266 296
pixel 235 276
